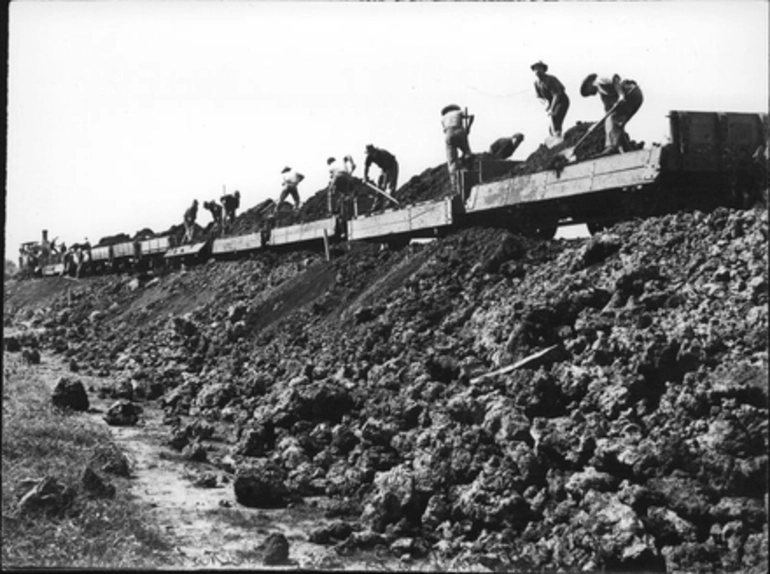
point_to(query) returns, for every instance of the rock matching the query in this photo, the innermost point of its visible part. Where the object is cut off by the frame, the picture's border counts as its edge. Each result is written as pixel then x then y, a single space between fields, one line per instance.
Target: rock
pixel 598 248
pixel 70 394
pixel 394 497
pixel 31 356
pixel 331 533
pixel 275 549
pixel 11 344
pixel 94 485
pixel 262 486
pixel 750 511
pixel 123 413
pixel 621 539
pixel 195 452
pixel 590 479
pixel 48 496
pixel 214 395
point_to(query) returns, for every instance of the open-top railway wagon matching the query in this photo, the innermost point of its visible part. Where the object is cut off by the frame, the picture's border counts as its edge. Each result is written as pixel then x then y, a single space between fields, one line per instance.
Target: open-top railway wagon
pixel 711 159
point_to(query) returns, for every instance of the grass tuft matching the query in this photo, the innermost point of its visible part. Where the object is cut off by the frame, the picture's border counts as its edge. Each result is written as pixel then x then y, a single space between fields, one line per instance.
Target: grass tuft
pixel 40 440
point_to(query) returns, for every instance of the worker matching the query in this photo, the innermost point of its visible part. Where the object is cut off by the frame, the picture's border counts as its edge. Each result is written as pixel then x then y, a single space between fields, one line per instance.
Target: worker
pixel 503 148
pixel 291 180
pixel 190 214
pixel 626 96
pixel 388 165
pixel 216 212
pixel 457 125
pixel 341 184
pixel 230 203
pixel 551 91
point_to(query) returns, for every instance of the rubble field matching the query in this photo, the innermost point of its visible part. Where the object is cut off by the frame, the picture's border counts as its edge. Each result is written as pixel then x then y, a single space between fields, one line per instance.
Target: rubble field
pixel 631 435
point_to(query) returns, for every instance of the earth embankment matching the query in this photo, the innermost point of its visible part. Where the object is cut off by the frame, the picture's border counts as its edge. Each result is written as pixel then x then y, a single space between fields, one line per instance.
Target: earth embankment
pixel 638 441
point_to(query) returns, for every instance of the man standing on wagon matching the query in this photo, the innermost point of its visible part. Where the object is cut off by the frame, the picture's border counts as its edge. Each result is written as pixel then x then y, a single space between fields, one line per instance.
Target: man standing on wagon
pixel 624 98
pixel 551 91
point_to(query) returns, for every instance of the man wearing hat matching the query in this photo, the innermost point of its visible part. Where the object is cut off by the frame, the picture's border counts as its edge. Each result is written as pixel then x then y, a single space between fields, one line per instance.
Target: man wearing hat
pixel 551 91
pixel 622 98
pixel 503 148
pixel 291 180
pixel 457 125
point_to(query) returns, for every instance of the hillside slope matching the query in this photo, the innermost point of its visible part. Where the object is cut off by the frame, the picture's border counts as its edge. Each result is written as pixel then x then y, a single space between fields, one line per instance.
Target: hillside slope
pixel 637 440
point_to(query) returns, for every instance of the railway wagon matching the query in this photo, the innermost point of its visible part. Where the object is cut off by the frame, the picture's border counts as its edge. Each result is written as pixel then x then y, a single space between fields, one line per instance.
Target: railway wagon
pixel 152 253
pixel 709 161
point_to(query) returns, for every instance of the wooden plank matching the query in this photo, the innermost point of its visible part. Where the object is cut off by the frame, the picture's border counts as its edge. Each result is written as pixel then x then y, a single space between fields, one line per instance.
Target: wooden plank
pixel 235 244
pixel 624 170
pixel 420 216
pixel 185 250
pixel 302 232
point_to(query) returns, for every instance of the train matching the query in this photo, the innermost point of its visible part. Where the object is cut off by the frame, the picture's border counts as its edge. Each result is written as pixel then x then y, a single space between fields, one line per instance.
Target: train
pixel 711 159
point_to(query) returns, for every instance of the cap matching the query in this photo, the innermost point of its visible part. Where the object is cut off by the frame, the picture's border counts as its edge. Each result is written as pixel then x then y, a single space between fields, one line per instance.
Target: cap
pixel 450 108
pixel 330 160
pixel 284 170
pixel 540 64
pixel 586 87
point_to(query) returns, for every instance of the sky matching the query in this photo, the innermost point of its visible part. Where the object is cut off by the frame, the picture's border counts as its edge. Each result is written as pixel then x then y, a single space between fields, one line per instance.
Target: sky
pixel 120 113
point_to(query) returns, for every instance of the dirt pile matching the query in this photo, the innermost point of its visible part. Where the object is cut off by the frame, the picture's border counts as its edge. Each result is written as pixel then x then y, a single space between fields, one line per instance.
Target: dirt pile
pixel 638 442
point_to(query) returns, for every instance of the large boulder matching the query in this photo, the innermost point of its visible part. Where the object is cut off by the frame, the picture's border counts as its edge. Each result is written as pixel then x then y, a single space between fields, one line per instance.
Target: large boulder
pixel 71 394
pixel 261 486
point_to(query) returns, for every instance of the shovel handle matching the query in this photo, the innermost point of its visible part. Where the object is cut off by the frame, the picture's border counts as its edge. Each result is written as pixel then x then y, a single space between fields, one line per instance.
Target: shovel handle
pixel 593 127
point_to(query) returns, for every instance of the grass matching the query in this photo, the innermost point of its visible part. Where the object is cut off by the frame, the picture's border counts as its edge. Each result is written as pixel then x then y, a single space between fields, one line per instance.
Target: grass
pixel 39 440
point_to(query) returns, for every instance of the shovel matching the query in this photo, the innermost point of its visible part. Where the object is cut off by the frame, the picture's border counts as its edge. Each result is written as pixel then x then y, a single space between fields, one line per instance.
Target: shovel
pixel 569 153
pixel 381 192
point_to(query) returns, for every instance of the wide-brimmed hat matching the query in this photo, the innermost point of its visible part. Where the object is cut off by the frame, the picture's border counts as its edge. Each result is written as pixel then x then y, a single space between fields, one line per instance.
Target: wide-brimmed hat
pixel 539 64
pixel 450 108
pixel 284 170
pixel 587 88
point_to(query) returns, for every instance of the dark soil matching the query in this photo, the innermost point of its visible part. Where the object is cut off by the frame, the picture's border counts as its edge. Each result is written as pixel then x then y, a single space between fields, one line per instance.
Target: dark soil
pixel 639 442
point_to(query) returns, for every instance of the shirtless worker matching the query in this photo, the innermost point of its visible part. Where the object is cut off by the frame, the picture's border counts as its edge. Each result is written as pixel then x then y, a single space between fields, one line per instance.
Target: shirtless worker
pixel 551 91
pixel 290 182
pixel 456 125
pixel 503 148
pixel 340 183
pixel 628 97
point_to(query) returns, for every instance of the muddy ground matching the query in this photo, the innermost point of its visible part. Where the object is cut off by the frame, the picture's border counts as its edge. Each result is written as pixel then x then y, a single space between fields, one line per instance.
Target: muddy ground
pixel 359 390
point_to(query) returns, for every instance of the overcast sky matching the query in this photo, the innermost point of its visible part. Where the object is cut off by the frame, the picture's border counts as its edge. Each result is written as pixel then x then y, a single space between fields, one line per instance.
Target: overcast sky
pixel 121 113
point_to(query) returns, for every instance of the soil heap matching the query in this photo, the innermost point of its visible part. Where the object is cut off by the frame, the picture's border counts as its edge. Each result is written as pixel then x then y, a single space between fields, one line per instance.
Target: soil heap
pixel 636 439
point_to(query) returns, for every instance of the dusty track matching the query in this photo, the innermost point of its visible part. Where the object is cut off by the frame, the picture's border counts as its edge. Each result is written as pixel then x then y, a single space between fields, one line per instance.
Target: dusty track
pixel 206 526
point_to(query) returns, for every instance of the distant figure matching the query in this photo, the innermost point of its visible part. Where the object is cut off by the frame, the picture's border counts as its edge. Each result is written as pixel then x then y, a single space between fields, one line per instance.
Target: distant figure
pixel 456 125
pixel 340 183
pixel 230 203
pixel 291 180
pixel 503 148
pixel 551 91
pixel 350 165
pixel 216 212
pixel 189 221
pixel 627 95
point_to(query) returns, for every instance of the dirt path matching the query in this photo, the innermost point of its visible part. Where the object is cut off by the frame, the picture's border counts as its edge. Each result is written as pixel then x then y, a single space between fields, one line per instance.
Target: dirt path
pixel 205 525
